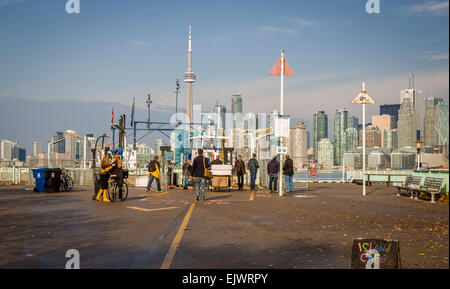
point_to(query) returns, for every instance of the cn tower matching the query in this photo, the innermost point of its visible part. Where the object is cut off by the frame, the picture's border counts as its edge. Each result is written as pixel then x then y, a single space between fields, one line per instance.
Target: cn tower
pixel 189 78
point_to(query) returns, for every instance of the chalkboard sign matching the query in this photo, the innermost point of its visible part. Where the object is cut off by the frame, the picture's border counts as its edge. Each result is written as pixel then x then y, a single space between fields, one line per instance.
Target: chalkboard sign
pixel 375 254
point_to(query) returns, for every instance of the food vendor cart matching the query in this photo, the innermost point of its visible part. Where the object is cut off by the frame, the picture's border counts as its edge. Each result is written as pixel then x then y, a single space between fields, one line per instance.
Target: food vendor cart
pixel 221 177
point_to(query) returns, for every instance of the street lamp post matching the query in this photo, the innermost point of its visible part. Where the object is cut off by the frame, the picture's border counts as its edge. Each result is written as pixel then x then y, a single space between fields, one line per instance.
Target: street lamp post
pixel 50 143
pixel 363 98
pixel 48 154
pixel 418 146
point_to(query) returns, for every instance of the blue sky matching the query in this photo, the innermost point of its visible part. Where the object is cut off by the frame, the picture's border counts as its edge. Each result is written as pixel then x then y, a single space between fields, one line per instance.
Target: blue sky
pixel 116 50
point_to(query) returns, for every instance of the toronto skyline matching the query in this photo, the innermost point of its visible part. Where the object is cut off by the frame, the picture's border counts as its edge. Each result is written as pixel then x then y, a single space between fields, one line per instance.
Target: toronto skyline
pixel 112 52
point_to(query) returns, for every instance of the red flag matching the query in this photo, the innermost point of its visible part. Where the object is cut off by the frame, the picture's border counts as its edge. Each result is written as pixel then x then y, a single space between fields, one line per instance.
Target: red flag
pixel 276 70
pixel 112 118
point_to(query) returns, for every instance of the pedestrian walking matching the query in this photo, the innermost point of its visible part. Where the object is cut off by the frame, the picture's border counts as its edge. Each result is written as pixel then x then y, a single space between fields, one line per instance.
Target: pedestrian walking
pixel 187 168
pixel 273 168
pixel 288 170
pixel 253 167
pixel 154 174
pixel 199 166
pixel 169 175
pixel 239 170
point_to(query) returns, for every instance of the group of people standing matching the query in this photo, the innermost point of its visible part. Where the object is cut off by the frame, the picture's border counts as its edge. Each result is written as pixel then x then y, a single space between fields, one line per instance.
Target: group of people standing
pixel 273 169
pixel 239 170
pixel 196 173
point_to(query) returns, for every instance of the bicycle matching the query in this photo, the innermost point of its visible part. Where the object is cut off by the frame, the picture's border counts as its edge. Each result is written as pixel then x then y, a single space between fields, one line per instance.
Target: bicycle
pixel 66 181
pixel 114 190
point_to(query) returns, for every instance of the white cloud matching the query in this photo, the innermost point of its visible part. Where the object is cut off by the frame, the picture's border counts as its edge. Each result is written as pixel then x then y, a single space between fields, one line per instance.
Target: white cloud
pixel 432 56
pixel 293 27
pixel 9 2
pixel 273 29
pixel 140 44
pixel 304 23
pixel 443 56
pixel 430 7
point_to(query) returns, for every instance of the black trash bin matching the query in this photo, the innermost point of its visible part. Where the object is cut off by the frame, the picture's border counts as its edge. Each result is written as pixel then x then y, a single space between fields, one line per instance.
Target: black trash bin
pixel 53 180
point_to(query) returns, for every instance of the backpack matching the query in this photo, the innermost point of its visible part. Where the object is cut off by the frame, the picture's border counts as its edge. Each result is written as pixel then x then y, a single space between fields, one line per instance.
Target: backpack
pixel 151 166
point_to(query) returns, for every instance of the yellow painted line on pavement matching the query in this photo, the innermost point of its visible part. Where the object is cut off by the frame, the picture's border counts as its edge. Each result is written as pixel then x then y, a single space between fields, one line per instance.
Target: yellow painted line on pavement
pixel 252 196
pixel 155 195
pixel 159 194
pixel 152 210
pixel 176 241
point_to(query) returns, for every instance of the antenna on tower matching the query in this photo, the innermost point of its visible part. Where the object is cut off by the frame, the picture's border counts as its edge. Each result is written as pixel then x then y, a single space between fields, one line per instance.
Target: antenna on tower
pixel 177 91
pixel 411 81
pixel 149 103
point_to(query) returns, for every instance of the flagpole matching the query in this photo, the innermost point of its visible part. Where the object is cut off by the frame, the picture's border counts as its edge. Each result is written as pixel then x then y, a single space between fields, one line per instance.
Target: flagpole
pixel 364 141
pixel 281 68
pixel 112 127
pixel 281 113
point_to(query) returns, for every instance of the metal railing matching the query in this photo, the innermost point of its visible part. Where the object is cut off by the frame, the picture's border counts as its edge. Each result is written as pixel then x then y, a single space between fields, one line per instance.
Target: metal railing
pixel 12 174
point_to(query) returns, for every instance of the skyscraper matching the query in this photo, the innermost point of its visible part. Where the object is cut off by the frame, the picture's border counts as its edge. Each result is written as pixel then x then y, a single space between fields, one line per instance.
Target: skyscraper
pixel 37 148
pixel 308 139
pixel 71 145
pixel 236 109
pixel 340 125
pixel 390 139
pixel 220 111
pixel 320 130
pixel 430 134
pixel 373 137
pixel 59 147
pixel 391 109
pixel 383 122
pixel 86 144
pixel 406 127
pixel 6 149
pixel 353 121
pixel 325 154
pixel 298 145
pixel 189 78
pixel 18 153
pixel 442 125
pixel 351 138
pixel 251 120
pixel 415 97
